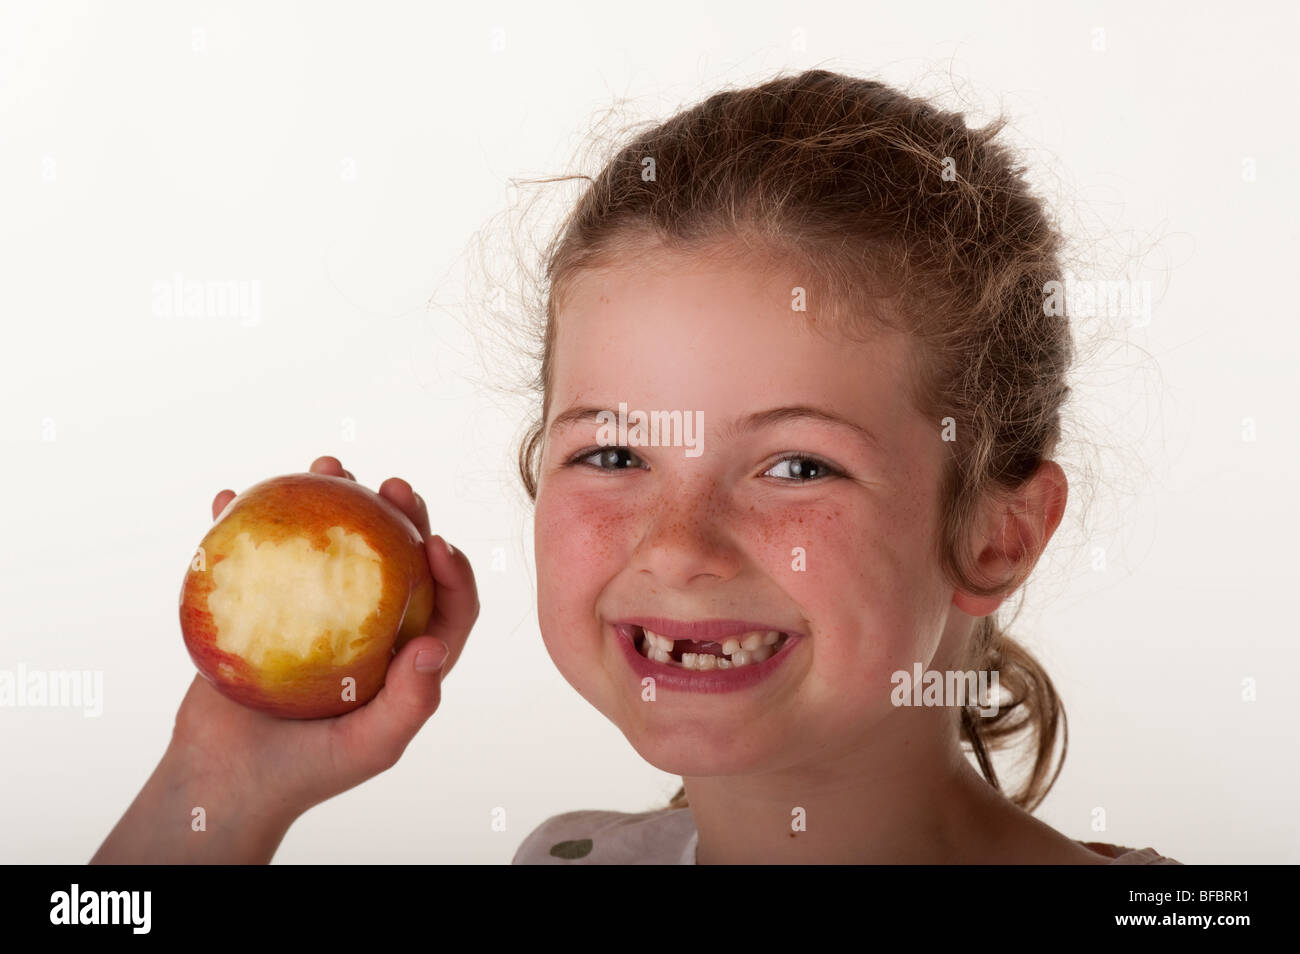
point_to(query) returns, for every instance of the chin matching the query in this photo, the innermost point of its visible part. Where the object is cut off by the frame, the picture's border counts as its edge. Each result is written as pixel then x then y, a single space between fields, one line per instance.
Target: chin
pixel 687 755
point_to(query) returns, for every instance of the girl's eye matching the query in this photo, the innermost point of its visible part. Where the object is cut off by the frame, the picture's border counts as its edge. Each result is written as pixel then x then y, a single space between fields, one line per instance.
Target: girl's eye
pixel 796 468
pixel 606 458
pixel 801 469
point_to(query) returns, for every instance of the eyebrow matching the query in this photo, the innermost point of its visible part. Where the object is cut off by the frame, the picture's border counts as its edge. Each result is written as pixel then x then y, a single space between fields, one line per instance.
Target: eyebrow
pixel 751 422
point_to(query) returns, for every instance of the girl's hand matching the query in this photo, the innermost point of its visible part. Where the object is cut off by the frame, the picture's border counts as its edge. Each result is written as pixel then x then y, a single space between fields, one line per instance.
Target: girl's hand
pixel 257 772
pixel 308 761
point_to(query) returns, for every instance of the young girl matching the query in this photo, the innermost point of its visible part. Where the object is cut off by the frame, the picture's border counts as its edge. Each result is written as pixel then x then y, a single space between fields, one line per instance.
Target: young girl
pixel 799 398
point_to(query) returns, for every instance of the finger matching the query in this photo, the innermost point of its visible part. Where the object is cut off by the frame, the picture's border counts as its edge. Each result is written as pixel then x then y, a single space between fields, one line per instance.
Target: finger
pixel 331 466
pixel 379 731
pixel 455 602
pixel 400 493
pixel 220 501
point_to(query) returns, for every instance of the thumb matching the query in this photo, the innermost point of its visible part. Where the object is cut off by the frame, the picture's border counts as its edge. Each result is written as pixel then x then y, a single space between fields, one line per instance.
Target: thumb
pixel 379 731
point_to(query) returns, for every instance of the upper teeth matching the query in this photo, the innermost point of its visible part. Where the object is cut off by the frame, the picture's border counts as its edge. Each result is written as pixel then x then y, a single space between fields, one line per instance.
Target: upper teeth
pixel 740 651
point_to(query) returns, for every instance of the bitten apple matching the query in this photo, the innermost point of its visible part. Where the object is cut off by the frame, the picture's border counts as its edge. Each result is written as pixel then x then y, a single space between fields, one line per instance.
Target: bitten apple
pixel 301 592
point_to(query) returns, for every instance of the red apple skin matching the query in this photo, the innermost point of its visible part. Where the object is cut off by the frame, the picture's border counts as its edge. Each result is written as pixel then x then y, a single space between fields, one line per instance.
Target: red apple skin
pixel 306 505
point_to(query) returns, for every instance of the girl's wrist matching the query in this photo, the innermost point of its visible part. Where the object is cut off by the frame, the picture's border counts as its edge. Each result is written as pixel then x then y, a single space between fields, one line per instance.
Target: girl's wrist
pixel 189 814
pixel 227 821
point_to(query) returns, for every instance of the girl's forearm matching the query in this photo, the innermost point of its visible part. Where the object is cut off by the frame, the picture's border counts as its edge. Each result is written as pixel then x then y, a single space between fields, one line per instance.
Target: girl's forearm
pixel 164 825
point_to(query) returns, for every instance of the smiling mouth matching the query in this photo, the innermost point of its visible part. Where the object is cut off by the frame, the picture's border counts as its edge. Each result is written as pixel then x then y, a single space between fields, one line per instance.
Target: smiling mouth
pixel 734 652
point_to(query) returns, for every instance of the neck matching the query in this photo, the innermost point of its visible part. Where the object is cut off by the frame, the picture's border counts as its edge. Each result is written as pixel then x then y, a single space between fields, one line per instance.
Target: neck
pixel 907 795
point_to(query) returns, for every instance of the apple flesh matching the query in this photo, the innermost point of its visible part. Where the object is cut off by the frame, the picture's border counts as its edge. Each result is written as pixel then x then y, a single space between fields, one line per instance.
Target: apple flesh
pixel 300 593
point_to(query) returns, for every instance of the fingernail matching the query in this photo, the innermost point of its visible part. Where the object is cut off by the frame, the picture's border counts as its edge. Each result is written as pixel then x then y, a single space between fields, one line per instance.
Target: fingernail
pixel 430 660
pixel 451 551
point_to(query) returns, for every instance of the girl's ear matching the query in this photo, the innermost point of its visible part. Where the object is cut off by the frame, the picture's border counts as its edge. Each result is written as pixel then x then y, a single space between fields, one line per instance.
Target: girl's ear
pixel 1016 534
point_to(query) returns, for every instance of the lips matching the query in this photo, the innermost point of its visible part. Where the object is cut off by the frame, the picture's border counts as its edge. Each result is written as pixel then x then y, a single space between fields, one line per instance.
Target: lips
pixel 723 665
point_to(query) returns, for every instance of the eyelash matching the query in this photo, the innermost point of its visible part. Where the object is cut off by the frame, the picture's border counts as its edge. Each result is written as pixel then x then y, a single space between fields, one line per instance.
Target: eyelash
pixel 831 471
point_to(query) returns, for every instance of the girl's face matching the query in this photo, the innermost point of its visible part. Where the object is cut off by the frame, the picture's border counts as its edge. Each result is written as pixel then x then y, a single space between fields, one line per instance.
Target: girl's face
pixel 713 533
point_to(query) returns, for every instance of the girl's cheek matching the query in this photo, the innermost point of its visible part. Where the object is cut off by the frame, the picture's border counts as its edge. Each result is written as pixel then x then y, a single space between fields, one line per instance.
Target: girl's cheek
pixel 585 535
pixel 829 550
pixel 861 576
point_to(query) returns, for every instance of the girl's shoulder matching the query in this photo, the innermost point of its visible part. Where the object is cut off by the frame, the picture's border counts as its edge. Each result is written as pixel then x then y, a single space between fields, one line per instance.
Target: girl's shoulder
pixel 664 837
pixel 1119 855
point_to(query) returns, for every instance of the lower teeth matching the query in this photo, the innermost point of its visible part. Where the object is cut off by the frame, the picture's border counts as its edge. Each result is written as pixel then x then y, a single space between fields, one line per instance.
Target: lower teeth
pixel 704 662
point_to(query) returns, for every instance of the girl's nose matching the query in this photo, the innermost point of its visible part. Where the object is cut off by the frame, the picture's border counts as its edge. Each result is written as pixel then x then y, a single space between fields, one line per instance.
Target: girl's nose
pixel 688 537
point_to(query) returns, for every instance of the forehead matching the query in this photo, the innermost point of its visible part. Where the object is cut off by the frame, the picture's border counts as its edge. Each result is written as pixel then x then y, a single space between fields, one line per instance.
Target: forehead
pixel 665 330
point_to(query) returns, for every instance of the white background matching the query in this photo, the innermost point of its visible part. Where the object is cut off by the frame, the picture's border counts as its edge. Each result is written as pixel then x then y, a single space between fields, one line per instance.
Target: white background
pixel 348 156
